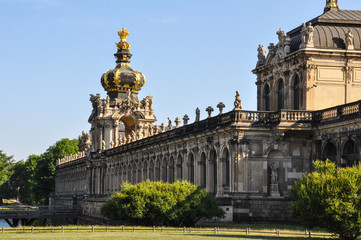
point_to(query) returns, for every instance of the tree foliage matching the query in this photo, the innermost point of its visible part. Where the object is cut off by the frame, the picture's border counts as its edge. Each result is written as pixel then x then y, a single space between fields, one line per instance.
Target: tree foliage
pixel 6 169
pixel 330 198
pixel 157 203
pixel 33 180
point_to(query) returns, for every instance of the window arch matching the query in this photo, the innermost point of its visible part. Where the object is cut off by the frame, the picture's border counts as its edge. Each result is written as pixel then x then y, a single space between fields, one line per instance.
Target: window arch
pixel 329 152
pixel 157 170
pixel 281 95
pixel 179 167
pixel 267 98
pixel 145 172
pixel 151 171
pixel 191 168
pixel 212 172
pixel 296 93
pixel 350 155
pixel 171 170
pixel 202 169
pixel 164 170
pixel 139 175
pixel 225 168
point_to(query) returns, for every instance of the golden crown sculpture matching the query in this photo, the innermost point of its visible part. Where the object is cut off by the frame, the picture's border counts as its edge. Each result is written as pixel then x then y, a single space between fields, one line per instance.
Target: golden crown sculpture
pixel 123 44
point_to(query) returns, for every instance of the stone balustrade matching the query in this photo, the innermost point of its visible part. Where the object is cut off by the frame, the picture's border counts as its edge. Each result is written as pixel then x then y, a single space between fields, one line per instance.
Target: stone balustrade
pixel 239 116
pixel 71 158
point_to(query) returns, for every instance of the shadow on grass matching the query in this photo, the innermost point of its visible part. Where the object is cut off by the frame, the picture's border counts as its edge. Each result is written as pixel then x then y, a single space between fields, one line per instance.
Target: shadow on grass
pixel 255 237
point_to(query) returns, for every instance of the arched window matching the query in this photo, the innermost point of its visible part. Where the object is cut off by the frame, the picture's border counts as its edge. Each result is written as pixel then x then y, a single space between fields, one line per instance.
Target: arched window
pixel 267 98
pixel 296 93
pixel 140 169
pixel 164 170
pixel 191 168
pixel 151 171
pixel 157 170
pixel 145 173
pixel 171 170
pixel 281 95
pixel 350 154
pixel 212 172
pixel 225 168
pixel 202 169
pixel 129 174
pixel 134 173
pixel 329 152
pixel 179 167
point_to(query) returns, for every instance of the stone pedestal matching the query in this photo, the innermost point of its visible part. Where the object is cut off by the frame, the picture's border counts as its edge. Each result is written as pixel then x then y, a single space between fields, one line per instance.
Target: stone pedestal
pixel 274 191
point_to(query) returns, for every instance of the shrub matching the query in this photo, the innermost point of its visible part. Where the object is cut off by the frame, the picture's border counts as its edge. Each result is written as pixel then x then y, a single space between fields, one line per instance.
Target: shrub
pixel 161 204
pixel 330 198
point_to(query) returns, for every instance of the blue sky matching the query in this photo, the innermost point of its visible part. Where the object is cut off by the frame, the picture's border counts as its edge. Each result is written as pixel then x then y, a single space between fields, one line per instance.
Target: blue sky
pixel 194 53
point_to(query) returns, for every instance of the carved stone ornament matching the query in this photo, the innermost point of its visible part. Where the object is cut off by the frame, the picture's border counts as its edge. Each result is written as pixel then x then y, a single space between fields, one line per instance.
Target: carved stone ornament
pixel 274 172
pixel 209 110
pixel 349 71
pixel 310 68
pixel 307 36
pixel 349 40
pixel 221 106
pixel 261 55
pixel 237 102
pixel 177 122
pixel 170 127
pixel 198 115
pixel 185 119
pixel 274 179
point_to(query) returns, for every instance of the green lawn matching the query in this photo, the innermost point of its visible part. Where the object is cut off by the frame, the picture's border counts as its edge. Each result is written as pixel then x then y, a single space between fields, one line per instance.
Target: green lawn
pixel 103 233
pixel 140 235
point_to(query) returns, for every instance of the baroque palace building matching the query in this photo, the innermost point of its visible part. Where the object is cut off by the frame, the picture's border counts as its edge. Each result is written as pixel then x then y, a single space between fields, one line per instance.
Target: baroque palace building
pixel 308 108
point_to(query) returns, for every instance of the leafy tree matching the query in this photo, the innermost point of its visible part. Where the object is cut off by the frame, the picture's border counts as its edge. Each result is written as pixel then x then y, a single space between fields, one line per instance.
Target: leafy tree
pixel 330 198
pixel 43 182
pixel 6 165
pixel 33 180
pixel 157 203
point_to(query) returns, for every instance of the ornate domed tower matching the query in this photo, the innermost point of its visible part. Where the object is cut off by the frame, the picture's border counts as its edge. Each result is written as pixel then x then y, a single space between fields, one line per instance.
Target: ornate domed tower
pixel 122 79
pixel 121 118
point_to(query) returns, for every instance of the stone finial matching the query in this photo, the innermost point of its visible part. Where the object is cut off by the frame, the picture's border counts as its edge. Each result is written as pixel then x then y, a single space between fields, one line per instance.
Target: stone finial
pixel 198 115
pixel 237 102
pixel 261 55
pixel 170 127
pixel 185 119
pixel 209 110
pixel 349 40
pixel 221 106
pixel 177 122
pixel 157 129
pixel 163 126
